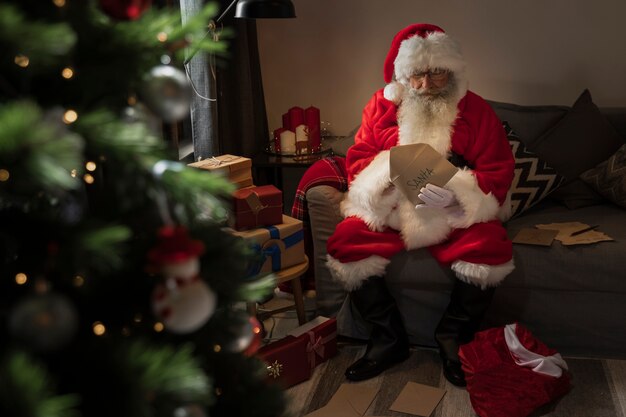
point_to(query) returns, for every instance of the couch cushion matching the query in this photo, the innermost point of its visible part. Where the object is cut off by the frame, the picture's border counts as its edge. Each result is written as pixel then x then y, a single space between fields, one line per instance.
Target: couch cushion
pixel 533 180
pixel 597 267
pixel 529 122
pixel 609 177
pixel 576 194
pixel 579 141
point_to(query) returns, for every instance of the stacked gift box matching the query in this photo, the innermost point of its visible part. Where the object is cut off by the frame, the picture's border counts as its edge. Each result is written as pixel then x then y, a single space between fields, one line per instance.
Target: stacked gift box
pixel 256 207
pixel 281 245
pixel 292 359
pixel 238 169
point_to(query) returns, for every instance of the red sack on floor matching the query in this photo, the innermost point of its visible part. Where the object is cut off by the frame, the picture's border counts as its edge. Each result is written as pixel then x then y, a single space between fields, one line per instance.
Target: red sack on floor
pixel 510 373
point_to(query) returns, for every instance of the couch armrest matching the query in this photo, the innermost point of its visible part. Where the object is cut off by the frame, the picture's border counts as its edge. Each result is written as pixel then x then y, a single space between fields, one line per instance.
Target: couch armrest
pixel 323 206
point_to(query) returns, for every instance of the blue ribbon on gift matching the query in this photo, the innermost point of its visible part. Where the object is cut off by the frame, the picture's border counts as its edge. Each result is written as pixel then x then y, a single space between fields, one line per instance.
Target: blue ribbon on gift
pixel 273 251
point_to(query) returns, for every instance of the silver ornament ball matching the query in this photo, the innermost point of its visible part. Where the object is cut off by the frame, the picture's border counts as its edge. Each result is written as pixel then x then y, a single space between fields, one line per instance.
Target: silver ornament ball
pixel 189 410
pixel 44 322
pixel 167 92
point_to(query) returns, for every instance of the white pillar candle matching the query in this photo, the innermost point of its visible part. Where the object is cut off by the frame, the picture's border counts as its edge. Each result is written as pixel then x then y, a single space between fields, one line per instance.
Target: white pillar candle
pixel 287 142
pixel 302 139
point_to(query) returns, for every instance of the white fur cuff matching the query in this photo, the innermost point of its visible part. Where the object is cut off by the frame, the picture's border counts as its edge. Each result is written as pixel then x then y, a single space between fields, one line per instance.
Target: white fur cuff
pixel 365 197
pixel 477 206
pixel 482 275
pixel 352 274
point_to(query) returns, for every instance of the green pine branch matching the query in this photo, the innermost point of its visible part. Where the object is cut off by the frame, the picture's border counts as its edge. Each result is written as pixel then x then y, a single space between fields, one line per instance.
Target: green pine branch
pixel 45 44
pixel 38 153
pixel 26 390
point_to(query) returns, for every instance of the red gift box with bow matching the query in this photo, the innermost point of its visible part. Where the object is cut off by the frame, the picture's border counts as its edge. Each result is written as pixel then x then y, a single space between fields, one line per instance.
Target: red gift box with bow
pixel 286 361
pixel 257 206
pixel 293 358
pixel 321 336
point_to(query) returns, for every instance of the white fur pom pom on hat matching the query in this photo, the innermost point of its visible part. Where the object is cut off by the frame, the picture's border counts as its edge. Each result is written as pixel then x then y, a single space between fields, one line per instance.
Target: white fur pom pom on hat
pixel 394 92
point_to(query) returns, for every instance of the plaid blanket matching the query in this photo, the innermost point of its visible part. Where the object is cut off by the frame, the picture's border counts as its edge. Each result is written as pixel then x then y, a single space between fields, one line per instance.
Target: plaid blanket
pixel 328 171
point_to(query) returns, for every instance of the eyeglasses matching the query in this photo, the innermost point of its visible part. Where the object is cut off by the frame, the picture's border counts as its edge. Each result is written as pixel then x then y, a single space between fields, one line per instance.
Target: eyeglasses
pixel 436 74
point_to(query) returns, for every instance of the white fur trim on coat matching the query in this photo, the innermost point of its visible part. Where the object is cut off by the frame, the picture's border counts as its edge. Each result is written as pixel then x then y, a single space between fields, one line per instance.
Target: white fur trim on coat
pixel 394 92
pixel 365 198
pixel 423 226
pixel 352 274
pixel 436 50
pixel 477 206
pixel 482 275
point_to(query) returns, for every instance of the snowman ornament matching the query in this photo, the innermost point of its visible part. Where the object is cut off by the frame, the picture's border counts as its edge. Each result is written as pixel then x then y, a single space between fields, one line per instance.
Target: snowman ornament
pixel 182 300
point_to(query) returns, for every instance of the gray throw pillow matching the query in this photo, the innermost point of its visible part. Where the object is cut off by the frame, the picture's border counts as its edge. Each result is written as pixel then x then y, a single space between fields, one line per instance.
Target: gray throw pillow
pixel 534 179
pixel 579 141
pixel 609 177
pixel 576 194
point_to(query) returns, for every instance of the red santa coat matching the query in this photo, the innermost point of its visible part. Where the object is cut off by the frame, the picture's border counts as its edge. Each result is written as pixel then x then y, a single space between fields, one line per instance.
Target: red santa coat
pixel 381 222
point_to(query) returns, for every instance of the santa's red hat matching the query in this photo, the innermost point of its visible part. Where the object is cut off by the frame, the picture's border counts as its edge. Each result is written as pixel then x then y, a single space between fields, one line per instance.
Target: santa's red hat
pixel 419 47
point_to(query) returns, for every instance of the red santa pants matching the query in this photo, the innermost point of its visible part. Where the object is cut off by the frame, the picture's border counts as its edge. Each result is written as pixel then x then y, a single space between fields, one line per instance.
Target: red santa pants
pixel 481 243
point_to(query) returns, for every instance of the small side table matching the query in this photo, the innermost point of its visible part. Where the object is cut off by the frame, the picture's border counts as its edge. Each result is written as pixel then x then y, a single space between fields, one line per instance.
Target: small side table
pixel 292 274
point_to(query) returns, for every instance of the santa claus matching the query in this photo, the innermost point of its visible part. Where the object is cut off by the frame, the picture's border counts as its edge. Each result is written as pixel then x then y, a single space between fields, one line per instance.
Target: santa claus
pixel 427 101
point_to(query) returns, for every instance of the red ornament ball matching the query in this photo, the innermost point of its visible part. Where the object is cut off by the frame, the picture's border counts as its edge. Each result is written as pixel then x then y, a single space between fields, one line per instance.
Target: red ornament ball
pixel 125 9
pixel 257 336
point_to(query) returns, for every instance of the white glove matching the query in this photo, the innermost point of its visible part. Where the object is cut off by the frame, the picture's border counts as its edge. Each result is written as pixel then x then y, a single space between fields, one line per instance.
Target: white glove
pixel 434 196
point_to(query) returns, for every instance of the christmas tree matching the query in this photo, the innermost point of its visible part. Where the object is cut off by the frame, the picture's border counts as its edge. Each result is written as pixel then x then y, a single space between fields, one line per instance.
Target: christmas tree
pixel 120 292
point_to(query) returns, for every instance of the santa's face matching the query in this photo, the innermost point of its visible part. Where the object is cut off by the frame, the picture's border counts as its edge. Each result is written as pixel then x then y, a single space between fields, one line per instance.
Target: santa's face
pixel 431 98
pixel 430 84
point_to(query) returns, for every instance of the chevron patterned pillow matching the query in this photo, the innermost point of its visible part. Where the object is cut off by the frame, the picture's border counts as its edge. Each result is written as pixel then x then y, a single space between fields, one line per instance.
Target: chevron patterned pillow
pixel 533 180
pixel 608 178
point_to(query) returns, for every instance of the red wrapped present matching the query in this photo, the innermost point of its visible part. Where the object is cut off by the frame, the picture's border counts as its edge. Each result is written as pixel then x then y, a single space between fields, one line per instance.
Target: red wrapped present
pixel 321 339
pixel 286 361
pixel 237 169
pixel 510 373
pixel 281 245
pixel 257 206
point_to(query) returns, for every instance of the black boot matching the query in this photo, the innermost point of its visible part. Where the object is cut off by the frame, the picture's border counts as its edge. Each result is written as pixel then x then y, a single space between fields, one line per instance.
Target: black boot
pixel 461 320
pixel 388 342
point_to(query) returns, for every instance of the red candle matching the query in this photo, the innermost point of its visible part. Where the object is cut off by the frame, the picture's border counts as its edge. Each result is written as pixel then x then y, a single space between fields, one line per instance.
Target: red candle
pixel 296 117
pixel 286 123
pixel 277 133
pixel 312 116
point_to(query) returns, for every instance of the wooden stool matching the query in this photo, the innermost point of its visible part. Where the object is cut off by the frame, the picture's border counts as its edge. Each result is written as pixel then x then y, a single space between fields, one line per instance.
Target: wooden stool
pixel 293 274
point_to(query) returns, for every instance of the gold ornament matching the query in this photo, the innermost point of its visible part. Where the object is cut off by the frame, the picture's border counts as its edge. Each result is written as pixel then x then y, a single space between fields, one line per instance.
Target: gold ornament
pixel 275 369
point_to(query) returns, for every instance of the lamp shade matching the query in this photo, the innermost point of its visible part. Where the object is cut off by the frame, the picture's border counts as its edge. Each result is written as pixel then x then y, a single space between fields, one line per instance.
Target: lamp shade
pixel 259 9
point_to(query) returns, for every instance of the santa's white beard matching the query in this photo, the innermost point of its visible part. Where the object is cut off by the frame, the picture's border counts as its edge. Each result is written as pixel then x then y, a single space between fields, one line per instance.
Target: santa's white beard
pixel 427 115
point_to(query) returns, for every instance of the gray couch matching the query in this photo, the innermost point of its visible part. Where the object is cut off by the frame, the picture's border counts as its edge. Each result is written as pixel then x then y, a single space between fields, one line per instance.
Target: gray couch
pixel 572 298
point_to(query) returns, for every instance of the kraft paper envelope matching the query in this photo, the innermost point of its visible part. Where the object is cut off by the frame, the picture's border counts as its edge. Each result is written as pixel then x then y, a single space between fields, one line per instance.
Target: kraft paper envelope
pixel 350 400
pixel 413 166
pixel 532 236
pixel 566 233
pixel 418 399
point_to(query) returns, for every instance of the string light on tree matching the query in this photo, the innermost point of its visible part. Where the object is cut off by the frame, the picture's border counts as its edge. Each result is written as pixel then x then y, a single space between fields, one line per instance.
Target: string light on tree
pixel 67 73
pixel 21 61
pixel 21 278
pixel 70 116
pixel 90 166
pixel 98 328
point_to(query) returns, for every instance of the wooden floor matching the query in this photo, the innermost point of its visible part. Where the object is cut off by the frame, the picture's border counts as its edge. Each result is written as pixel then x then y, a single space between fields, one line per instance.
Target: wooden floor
pixel 599 387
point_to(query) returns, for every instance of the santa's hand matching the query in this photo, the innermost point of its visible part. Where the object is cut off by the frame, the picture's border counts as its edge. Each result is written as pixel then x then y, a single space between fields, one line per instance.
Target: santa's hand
pixel 434 196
